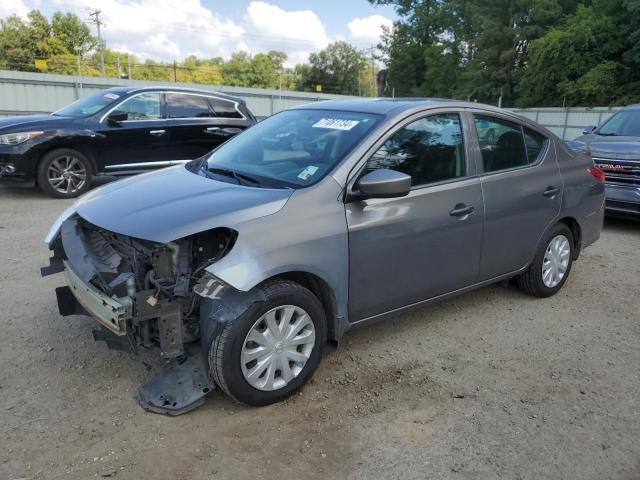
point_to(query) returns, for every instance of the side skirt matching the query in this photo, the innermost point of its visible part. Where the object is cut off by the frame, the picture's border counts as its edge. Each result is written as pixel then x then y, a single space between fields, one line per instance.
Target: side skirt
pixel 406 308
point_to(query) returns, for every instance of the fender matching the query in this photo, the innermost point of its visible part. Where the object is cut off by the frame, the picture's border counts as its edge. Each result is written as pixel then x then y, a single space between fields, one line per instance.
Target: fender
pixel 305 236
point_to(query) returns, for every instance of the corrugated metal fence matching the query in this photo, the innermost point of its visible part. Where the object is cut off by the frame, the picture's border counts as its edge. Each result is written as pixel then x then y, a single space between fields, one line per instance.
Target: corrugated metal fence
pixel 567 123
pixel 24 93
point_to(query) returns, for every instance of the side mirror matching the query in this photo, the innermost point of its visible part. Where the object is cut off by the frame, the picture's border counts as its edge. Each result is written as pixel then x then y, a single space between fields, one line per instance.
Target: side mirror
pixel 382 183
pixel 114 119
pixel 589 129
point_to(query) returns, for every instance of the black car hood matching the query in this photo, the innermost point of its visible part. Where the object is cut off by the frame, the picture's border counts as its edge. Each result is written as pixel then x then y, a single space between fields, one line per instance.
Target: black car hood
pixel 16 124
pixel 611 146
pixel 173 203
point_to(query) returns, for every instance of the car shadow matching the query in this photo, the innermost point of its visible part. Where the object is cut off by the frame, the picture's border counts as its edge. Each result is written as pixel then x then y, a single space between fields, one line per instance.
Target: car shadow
pixel 622 223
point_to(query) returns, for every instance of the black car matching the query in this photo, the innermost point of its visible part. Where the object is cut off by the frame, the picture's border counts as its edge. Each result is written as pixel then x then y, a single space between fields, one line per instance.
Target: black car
pixel 615 148
pixel 119 131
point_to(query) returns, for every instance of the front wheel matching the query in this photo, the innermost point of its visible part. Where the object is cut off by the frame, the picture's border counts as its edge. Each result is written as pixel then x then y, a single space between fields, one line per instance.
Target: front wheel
pixel 551 265
pixel 272 349
pixel 64 173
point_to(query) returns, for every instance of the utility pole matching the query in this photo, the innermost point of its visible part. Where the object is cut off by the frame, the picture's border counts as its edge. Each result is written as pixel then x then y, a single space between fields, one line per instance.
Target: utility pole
pixel 95 18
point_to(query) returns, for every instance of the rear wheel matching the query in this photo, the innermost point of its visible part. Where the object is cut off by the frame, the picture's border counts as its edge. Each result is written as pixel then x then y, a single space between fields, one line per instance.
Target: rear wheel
pixel 273 348
pixel 552 264
pixel 64 173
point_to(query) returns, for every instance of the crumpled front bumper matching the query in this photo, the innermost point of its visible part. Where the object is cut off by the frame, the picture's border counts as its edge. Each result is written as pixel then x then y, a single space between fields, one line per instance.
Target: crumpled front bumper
pixel 113 313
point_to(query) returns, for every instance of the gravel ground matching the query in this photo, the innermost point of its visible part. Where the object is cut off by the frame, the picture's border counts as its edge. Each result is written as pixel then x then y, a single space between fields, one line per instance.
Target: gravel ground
pixel 492 384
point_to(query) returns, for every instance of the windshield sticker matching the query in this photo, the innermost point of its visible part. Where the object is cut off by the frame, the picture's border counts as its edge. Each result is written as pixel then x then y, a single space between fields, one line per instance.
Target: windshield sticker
pixel 307 172
pixel 111 96
pixel 336 124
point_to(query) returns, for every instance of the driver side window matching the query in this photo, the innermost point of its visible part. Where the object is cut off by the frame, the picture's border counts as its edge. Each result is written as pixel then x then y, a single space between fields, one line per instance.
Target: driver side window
pixel 429 150
pixel 145 106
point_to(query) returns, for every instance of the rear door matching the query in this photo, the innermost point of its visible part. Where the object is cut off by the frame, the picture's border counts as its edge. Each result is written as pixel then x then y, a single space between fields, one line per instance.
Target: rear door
pixel 198 123
pixel 136 144
pixel 409 249
pixel 522 190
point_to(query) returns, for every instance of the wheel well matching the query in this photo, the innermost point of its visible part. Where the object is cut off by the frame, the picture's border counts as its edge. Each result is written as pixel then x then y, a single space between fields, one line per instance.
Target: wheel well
pixel 320 289
pixel 81 150
pixel 576 231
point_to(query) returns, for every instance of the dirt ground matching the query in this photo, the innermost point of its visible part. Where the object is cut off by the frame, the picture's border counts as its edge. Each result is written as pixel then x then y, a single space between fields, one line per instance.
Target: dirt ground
pixel 492 384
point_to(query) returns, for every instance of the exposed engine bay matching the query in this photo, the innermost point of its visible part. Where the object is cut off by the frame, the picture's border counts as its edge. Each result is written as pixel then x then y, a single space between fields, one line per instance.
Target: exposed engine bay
pixel 153 282
pixel 144 295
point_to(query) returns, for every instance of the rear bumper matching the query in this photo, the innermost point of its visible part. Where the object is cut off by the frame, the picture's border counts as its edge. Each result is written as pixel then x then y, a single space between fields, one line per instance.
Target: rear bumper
pixel 621 199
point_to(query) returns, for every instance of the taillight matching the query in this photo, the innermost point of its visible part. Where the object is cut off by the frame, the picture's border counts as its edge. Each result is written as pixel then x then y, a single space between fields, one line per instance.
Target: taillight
pixel 597 173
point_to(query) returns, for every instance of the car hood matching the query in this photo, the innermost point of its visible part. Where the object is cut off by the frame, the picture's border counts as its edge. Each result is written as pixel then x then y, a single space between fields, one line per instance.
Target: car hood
pixel 611 147
pixel 173 203
pixel 15 124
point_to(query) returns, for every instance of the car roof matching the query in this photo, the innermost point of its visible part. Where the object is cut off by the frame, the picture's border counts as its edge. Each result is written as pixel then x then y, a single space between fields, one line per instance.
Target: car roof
pixel 386 106
pixel 128 90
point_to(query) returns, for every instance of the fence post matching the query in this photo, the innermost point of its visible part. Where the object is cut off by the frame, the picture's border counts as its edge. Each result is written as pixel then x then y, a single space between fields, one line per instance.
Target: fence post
pixel 566 119
pixel 272 106
pixel 78 88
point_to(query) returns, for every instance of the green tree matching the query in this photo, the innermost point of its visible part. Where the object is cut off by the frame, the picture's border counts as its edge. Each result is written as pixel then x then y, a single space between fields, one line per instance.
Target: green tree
pixel 465 48
pixel 236 71
pixel 24 41
pixel 74 35
pixel 590 60
pixel 337 69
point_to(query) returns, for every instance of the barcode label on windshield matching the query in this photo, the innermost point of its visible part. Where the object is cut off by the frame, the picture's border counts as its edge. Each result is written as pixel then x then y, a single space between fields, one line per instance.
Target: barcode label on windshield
pixel 336 124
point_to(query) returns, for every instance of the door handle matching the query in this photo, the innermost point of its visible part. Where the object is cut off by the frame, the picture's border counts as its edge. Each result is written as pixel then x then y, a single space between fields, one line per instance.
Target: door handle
pixel 461 210
pixel 551 191
pixel 157 133
pixel 223 132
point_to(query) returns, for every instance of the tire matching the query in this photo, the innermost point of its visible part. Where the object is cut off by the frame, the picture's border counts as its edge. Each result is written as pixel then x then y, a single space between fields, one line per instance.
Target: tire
pixel 226 349
pixel 73 168
pixel 532 281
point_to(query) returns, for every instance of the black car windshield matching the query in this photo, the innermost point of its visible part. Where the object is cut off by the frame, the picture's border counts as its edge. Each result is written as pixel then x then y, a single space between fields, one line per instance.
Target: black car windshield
pixel 88 105
pixel 294 148
pixel 624 123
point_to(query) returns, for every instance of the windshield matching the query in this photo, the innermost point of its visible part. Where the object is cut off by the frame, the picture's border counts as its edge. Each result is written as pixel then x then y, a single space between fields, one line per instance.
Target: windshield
pixel 295 148
pixel 88 105
pixel 623 123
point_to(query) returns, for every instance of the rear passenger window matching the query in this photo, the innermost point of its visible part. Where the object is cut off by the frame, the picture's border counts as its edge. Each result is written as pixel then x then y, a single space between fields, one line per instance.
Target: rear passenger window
pixel 181 105
pixel 224 108
pixel 505 144
pixel 534 142
pixel 429 150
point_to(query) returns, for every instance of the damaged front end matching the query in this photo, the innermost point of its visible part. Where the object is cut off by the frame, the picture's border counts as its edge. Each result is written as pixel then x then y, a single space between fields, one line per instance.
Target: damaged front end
pixel 143 294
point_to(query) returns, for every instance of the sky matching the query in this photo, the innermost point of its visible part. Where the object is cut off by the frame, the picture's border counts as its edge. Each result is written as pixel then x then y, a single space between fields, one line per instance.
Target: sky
pixel 173 29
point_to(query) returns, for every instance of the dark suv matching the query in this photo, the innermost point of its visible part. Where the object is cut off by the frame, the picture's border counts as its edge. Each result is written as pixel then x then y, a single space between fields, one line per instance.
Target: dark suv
pixel 119 131
pixel 615 148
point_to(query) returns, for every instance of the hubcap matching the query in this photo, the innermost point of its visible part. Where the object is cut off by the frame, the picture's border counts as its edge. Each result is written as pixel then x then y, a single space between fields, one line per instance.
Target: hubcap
pixel 277 347
pixel 67 174
pixel 556 261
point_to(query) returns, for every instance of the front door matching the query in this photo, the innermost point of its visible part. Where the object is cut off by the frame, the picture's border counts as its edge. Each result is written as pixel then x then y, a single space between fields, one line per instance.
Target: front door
pixel 522 191
pixel 138 143
pixel 409 249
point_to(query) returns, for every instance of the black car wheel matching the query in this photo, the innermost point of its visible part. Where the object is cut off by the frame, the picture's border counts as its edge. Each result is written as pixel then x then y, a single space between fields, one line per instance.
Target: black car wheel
pixel 272 349
pixel 551 265
pixel 64 173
